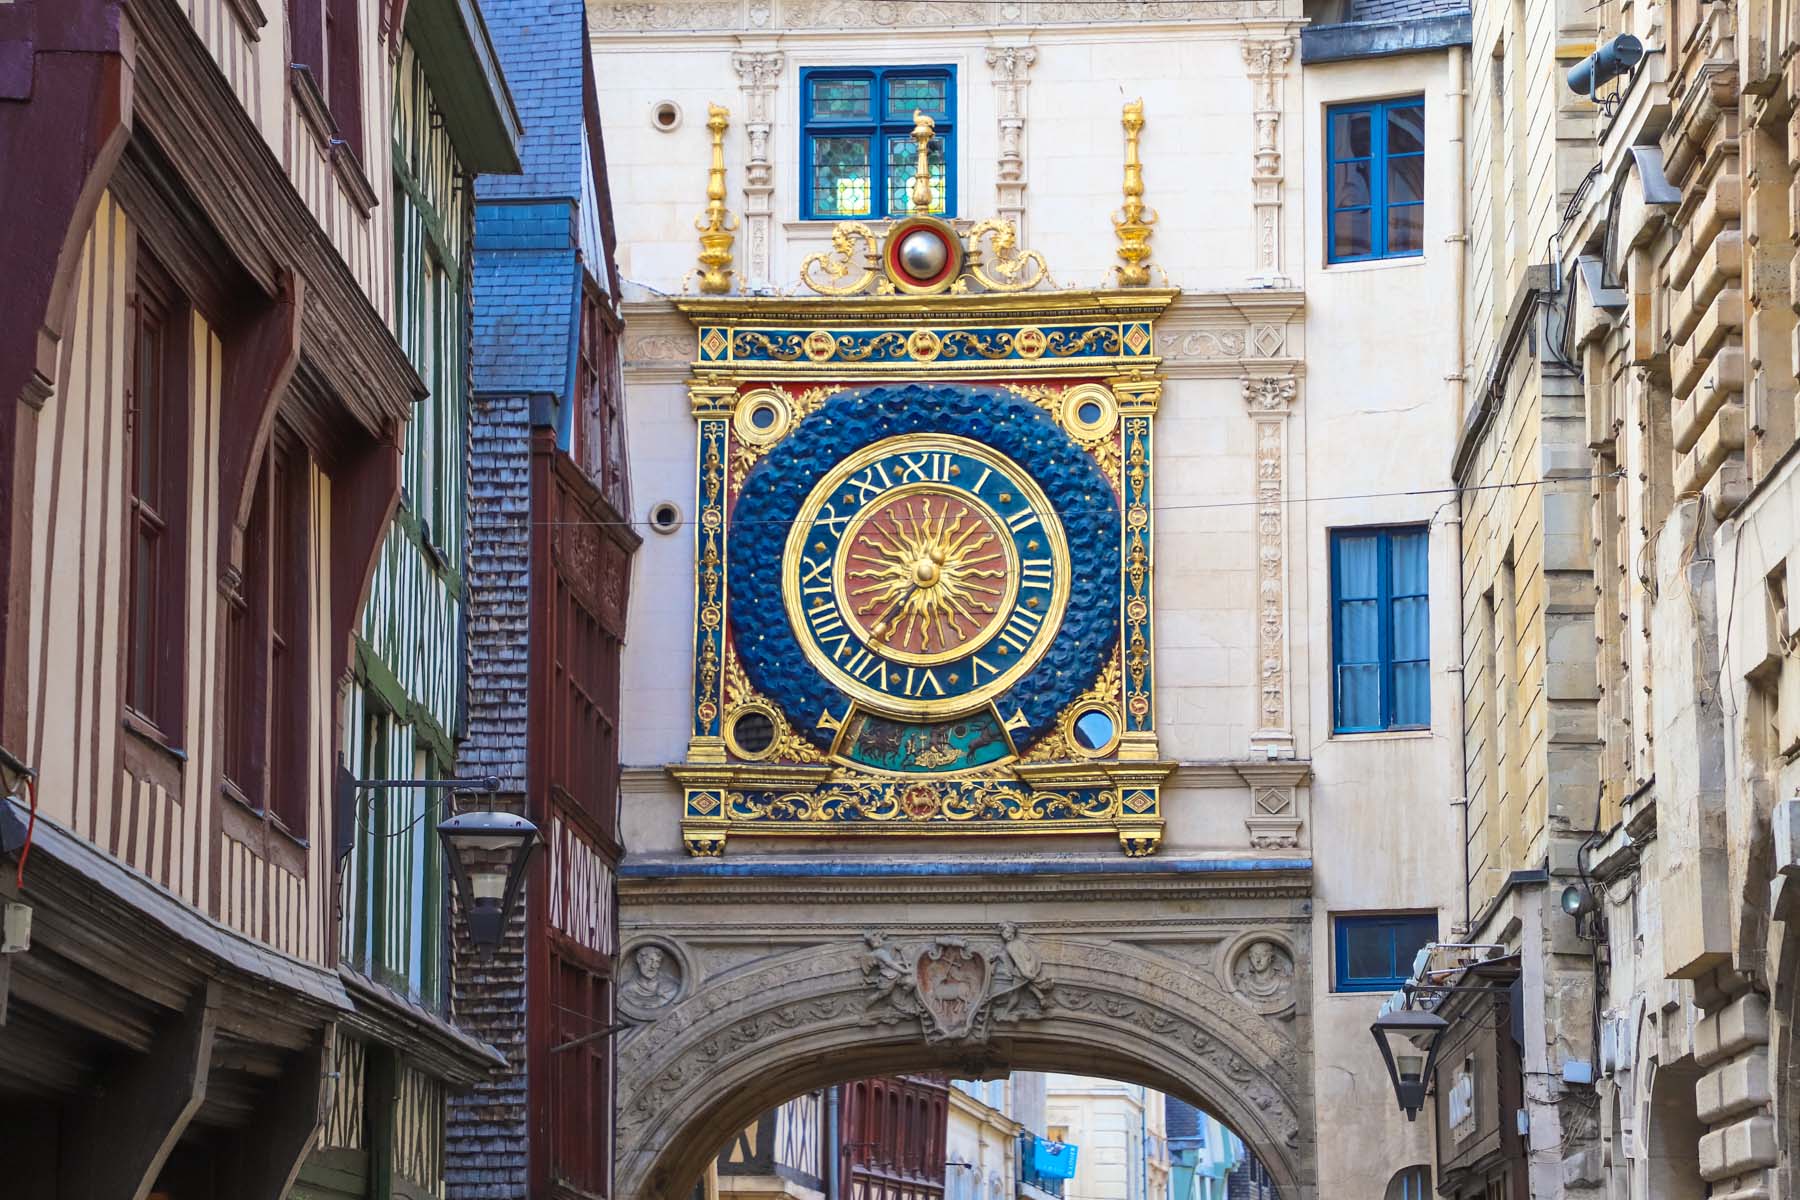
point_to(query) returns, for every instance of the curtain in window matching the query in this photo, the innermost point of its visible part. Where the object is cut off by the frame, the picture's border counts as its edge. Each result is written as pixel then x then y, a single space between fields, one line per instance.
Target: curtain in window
pixel 1359 632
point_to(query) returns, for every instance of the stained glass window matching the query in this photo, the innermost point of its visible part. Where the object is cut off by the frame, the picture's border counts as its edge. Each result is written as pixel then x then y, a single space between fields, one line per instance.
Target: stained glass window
pixel 858 155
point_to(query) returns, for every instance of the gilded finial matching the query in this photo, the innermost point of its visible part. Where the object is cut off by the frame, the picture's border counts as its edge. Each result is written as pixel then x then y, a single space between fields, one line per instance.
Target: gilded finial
pixel 717 226
pixel 1133 220
pixel 923 129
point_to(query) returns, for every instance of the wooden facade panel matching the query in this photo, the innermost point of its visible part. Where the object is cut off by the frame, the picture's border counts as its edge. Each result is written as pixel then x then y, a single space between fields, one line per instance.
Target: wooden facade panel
pixel 75 584
pixel 153 810
pixel 237 50
pixel 419 1132
pixel 581 890
pixel 343 1125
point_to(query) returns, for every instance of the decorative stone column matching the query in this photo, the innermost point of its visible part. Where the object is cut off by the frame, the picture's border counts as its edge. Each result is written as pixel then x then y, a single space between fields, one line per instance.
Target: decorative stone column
pixel 1011 65
pixel 1271 400
pixel 759 74
pixel 1267 62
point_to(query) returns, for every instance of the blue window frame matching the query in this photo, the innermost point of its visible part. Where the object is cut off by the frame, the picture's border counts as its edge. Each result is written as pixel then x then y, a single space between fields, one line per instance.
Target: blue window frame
pixel 1375 180
pixel 1380 629
pixel 857 155
pixel 1375 953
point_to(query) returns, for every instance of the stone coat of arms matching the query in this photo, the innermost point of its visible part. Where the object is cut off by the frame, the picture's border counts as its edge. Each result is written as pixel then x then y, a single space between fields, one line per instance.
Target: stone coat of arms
pixel 957 987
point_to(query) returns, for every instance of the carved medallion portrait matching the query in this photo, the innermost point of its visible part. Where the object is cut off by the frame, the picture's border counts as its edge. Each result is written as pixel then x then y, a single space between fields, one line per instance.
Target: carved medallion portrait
pixel 652 976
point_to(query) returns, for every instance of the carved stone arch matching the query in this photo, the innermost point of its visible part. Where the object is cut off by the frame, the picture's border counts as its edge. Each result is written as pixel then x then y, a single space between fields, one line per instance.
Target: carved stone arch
pixel 750 1038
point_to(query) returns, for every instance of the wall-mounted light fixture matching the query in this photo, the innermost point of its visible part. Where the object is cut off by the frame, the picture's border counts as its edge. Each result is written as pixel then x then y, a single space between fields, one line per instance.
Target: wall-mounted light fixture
pixel 488 849
pixel 1408 1038
pixel 1613 59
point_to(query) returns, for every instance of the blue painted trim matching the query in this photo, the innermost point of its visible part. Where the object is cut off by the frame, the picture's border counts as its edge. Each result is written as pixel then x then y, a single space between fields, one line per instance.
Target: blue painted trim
pixel 1400 966
pixel 1384 603
pixel 751 868
pixel 565 419
pixel 1377 159
pixel 877 129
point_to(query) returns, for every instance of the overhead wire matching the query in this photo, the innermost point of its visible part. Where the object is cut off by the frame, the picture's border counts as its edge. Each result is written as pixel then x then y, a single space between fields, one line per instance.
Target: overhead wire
pixel 1451 491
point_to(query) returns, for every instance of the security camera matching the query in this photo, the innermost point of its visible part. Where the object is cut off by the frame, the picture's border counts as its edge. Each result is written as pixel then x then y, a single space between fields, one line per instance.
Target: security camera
pixel 1610 61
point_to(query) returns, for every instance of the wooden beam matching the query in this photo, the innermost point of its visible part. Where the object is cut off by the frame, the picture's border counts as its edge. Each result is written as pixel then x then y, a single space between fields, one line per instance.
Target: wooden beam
pixel 265 353
pixel 265 1157
pixel 142 1109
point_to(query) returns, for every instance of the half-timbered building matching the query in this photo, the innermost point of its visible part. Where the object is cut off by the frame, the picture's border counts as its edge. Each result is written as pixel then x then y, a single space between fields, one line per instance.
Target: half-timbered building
pixel 204 413
pixel 549 567
pixel 451 118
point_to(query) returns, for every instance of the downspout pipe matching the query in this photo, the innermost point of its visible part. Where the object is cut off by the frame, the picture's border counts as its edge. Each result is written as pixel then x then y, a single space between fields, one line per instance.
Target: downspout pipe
pixel 1457 93
pixel 833 1151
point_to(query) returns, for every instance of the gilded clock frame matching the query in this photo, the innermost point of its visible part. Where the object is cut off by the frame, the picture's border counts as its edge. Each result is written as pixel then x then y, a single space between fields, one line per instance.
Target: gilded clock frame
pixel 1044 345
pixel 1057 551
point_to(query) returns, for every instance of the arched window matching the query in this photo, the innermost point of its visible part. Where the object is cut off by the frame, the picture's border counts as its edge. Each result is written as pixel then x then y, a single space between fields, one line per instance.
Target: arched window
pixel 1411 1183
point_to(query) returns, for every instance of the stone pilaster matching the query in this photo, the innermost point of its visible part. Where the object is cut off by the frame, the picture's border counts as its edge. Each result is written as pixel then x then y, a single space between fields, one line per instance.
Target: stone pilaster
pixel 1271 400
pixel 1267 61
pixel 759 74
pixel 1011 65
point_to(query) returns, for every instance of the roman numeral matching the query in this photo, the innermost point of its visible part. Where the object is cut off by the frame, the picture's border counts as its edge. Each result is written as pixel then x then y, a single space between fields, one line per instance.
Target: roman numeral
pixel 864 665
pixel 976 666
pixel 928 468
pixel 1020 628
pixel 985 472
pixel 1023 519
pixel 1036 573
pixel 824 619
pixel 811 570
pixel 917 681
pixel 829 519
pixel 868 486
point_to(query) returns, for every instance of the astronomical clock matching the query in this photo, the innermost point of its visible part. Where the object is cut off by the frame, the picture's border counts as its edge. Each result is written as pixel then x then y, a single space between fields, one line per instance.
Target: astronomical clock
pixel 922 549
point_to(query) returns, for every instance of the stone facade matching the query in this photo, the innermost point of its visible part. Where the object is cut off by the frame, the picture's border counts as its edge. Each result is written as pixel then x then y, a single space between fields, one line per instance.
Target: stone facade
pixel 1280 419
pixel 1664 326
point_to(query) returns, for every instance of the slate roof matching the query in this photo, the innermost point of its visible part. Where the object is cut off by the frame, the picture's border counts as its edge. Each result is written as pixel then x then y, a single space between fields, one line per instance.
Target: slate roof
pixel 1391 10
pixel 1181 1118
pixel 541 43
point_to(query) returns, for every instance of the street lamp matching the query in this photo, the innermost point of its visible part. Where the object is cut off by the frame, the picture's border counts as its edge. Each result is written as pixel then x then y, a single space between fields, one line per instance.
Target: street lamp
pixel 1399 1034
pixel 488 853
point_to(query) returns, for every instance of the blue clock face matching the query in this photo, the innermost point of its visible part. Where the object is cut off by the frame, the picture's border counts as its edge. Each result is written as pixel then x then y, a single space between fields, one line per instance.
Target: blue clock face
pixel 925 575
pixel 924 578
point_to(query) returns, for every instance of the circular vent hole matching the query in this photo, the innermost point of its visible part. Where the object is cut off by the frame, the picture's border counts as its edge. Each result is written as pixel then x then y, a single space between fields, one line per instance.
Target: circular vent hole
pixel 665 518
pixel 665 115
pixel 753 732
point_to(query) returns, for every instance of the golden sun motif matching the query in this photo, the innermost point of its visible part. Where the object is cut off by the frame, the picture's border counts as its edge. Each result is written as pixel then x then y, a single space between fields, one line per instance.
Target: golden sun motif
pixel 927 575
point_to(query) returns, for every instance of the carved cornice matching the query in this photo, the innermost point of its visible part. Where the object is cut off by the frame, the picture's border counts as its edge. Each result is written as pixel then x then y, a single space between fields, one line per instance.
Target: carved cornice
pixel 769 16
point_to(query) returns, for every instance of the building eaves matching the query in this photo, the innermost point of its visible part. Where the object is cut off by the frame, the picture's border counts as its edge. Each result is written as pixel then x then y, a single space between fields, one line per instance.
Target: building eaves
pixel 453 43
pixel 1386 36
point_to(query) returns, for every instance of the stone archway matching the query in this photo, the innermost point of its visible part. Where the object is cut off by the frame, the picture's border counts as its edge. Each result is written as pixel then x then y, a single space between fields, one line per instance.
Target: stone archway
pixel 1211 1009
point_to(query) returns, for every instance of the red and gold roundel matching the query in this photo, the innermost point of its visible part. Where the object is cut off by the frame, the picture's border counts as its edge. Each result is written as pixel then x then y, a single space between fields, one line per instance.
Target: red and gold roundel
pixel 922 254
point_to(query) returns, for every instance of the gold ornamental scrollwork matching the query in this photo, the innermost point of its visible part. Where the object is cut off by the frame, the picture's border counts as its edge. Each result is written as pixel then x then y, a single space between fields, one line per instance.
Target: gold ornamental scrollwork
pixel 838 262
pixel 1003 266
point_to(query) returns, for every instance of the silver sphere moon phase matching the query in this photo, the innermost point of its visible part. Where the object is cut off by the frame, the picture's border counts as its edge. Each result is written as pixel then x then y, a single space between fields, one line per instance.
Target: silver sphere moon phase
pixel 923 254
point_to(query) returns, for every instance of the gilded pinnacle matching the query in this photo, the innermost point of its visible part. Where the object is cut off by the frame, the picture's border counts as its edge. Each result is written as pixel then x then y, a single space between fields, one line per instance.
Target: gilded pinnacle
pixel 717 224
pixel 923 129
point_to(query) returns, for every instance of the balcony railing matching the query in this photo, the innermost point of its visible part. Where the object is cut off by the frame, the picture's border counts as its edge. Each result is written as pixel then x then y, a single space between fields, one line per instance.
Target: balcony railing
pixel 1028 1172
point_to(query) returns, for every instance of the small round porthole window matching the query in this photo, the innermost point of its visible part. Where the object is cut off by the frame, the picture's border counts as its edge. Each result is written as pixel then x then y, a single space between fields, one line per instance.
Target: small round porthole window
pixel 665 517
pixel 762 417
pixel 1092 732
pixel 1089 411
pixel 665 115
pixel 751 733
